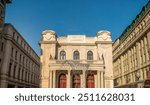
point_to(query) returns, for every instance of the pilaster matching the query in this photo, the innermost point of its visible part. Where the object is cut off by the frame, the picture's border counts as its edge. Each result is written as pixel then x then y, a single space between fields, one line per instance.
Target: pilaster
pixel 54 78
pixel 68 78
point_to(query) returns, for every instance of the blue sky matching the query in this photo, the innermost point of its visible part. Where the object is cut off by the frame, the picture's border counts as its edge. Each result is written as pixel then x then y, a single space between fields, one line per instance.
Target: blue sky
pixel 31 17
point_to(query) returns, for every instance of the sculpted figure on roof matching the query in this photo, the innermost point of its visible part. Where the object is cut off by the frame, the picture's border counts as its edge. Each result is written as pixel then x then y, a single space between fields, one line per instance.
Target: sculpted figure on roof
pixel 49 35
pixel 104 36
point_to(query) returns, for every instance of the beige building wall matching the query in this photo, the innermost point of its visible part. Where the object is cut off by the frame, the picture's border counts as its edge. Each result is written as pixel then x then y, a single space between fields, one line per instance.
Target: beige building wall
pixel 131 52
pixel 20 65
pixel 53 66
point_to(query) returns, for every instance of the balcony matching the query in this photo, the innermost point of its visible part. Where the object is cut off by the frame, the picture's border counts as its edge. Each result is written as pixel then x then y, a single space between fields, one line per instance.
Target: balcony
pixel 76 65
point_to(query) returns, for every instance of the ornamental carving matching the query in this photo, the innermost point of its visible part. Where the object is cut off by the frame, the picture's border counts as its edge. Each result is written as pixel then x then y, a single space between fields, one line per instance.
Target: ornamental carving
pixel 104 36
pixel 49 35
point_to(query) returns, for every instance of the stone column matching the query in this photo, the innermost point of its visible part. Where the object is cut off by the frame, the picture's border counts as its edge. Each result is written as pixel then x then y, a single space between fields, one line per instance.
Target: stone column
pixel 50 79
pixel 98 79
pixel 145 73
pixel 131 77
pixel 81 81
pixel 54 78
pixel 129 62
pixel 102 80
pixel 68 79
pixel 138 54
pixel 84 79
pixel 148 37
pixel 95 81
pixel 122 72
pixel 146 50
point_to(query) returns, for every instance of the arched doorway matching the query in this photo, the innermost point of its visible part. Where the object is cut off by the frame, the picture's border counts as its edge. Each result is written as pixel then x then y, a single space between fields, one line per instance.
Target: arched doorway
pixel 90 83
pixel 62 81
pixel 76 81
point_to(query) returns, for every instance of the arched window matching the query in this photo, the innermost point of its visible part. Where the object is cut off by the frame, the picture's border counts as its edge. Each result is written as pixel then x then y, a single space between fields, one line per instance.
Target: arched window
pixel 62 81
pixel 76 81
pixel 90 81
pixel 89 55
pixel 62 55
pixel 76 55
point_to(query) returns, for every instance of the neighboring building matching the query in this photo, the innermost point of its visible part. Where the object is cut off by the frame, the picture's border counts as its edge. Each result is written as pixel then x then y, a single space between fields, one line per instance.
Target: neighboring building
pixel 2 12
pixel 131 52
pixel 19 64
pixel 2 21
pixel 76 61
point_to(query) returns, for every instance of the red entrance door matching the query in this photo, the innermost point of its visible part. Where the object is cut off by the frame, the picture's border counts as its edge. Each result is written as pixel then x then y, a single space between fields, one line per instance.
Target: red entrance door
pixel 90 81
pixel 62 81
pixel 76 81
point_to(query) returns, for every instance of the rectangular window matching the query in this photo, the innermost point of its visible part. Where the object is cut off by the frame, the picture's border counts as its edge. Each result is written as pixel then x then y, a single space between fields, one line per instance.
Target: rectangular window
pixel 12 50
pixel 27 63
pixel 19 73
pixel 14 72
pixel 9 71
pixel 23 60
pixel 13 35
pixel 21 42
pixel 20 58
pixel 2 47
pixel 26 76
pixel 0 63
pixel 22 74
pixel 16 55
pixel 17 38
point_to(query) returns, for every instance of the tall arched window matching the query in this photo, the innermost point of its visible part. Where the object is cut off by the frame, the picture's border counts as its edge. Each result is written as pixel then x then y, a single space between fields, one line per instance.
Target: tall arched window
pixel 62 55
pixel 90 81
pixel 76 81
pixel 76 55
pixel 89 55
pixel 62 81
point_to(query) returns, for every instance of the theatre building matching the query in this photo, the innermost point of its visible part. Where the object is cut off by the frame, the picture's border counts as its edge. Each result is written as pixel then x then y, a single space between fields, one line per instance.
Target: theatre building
pixel 19 66
pixel 131 53
pixel 76 61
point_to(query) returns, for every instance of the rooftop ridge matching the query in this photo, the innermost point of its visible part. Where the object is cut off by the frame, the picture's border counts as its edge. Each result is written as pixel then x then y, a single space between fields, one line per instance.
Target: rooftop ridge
pixel 135 21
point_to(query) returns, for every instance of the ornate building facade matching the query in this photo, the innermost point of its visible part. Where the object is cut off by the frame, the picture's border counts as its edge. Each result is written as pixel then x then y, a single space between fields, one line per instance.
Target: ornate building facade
pixel 131 52
pixel 76 61
pixel 20 65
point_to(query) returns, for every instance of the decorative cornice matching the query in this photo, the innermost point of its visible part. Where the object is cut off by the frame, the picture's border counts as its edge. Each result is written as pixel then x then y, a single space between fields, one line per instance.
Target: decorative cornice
pixel 104 42
pixel 79 44
pixel 138 18
pixel 132 42
pixel 47 42
pixel 49 31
